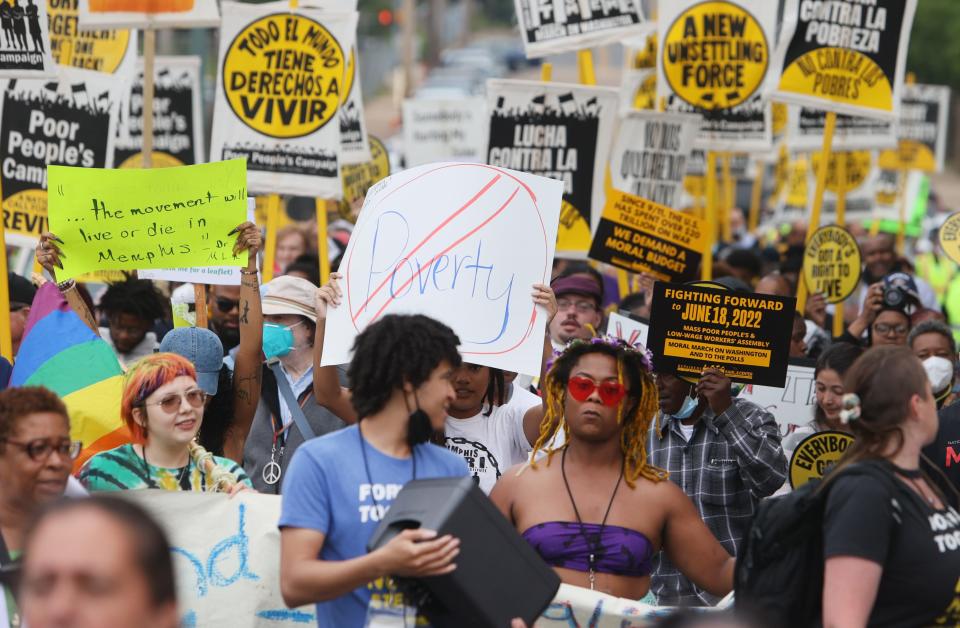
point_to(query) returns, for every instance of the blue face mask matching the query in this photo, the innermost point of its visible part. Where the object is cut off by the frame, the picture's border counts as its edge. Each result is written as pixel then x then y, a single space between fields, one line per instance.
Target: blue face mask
pixel 689 405
pixel 277 340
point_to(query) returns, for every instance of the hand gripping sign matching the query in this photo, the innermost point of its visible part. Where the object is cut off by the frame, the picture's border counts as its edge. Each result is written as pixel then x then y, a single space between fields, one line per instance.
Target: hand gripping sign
pixel 461 243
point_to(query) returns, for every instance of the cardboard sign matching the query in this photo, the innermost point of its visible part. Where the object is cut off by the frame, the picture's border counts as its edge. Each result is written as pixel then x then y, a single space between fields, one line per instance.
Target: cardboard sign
pixel 714 59
pixel 642 236
pixel 948 237
pixel 25 44
pixel 153 14
pixel 177 121
pixel 816 455
pixel 806 125
pixel 552 26
pixel 280 83
pixel 921 130
pixel 846 57
pixel 462 243
pixel 444 130
pixel 358 178
pixel 626 328
pixel 558 131
pixel 107 51
pixel 747 336
pixel 71 123
pixel 649 157
pixel 157 218
pixel 831 263
pixel 224 557
pixel 793 404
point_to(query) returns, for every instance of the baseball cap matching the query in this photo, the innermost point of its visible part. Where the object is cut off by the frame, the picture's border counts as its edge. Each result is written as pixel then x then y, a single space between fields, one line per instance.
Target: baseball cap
pixel 576 284
pixel 203 348
pixel 290 295
pixel 21 291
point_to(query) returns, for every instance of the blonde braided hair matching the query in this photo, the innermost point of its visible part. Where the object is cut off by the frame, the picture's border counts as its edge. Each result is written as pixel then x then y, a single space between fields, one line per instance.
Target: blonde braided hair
pixel 636 424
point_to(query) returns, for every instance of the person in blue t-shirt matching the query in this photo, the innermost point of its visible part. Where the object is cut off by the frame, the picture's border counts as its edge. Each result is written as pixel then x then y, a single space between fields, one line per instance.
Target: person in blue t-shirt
pixel 339 486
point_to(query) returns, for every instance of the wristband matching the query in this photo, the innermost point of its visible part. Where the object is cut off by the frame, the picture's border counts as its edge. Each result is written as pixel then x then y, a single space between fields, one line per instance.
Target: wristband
pixel 66 285
pixel 244 271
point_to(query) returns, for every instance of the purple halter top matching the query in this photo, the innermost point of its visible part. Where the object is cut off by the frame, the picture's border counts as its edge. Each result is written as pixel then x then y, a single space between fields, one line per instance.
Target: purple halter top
pixel 619 551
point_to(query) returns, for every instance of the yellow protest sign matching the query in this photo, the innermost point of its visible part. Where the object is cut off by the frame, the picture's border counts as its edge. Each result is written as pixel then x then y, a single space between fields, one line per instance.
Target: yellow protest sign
pixel 815 455
pixel 831 263
pixel 97 50
pixel 779 114
pixel 357 178
pixel 282 75
pixel 158 218
pixel 858 164
pixel 796 185
pixel 715 55
pixel 949 237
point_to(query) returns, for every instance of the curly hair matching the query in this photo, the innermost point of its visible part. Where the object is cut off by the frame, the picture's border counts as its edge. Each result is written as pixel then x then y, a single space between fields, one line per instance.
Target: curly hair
pixel 395 350
pixel 138 297
pixel 16 403
pixel 635 412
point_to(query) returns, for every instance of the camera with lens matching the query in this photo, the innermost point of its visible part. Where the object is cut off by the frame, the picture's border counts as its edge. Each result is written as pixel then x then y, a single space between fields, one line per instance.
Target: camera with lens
pixel 900 293
pixel 894 298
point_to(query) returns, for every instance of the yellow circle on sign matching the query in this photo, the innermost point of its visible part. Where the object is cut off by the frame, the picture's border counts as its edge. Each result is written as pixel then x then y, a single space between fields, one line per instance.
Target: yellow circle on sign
pixel 909 155
pixel 831 263
pixel 949 237
pixel 715 55
pixel 25 213
pixel 358 178
pixel 857 165
pixel 97 50
pixel 839 75
pixel 816 455
pixel 282 75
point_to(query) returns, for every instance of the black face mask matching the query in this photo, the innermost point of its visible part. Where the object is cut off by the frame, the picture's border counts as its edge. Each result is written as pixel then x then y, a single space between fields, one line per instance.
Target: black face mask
pixel 419 429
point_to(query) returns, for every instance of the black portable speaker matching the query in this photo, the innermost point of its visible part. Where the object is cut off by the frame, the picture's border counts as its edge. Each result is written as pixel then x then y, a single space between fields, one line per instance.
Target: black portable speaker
pixel 498 575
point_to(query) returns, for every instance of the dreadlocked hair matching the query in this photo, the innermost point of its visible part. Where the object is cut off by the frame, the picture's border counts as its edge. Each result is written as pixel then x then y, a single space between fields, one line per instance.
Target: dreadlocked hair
pixel 496 391
pixel 635 412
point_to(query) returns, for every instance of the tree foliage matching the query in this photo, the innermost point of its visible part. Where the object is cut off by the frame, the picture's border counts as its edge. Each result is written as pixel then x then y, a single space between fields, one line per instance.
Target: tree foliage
pixel 934 54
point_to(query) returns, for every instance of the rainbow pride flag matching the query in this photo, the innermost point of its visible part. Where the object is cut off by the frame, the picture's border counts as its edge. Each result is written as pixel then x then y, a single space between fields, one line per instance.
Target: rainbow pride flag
pixel 60 352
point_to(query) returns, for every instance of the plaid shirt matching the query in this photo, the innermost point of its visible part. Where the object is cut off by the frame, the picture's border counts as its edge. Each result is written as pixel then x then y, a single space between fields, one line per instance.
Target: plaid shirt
pixel 729 464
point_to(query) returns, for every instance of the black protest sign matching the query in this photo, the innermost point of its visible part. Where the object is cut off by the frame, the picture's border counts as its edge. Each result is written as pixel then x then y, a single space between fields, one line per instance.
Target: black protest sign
pixel 25 40
pixel 642 236
pixel 846 57
pixel 747 336
pixel 714 60
pixel 552 26
pixel 177 132
pixel 49 123
pixel 921 130
pixel 557 131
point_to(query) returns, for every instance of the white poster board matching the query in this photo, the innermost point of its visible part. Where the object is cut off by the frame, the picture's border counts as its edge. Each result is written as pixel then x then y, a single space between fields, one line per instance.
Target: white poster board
pixel 792 405
pixel 626 328
pixel 155 14
pixel 552 26
pixel 444 130
pixel 461 243
pixel 225 557
pixel 805 127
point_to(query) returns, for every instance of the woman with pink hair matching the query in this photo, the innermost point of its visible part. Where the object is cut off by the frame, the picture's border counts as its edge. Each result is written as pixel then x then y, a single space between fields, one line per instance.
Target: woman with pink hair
pixel 163 407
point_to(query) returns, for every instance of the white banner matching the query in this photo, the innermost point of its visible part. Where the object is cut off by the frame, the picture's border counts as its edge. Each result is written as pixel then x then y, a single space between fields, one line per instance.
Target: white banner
pixel 25 40
pixel 792 405
pixel 714 59
pixel 805 131
pixel 650 152
pixel 552 26
pixel 921 129
pixel 461 243
pixel 279 87
pixel 444 130
pixel 153 14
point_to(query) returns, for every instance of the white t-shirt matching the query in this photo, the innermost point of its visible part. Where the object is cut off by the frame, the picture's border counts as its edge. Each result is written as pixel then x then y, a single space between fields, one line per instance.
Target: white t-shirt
pixel 492 444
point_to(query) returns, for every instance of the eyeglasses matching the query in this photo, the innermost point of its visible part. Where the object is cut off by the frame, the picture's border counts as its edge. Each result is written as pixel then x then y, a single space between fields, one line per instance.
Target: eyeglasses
pixel 226 305
pixel 582 307
pixel 40 449
pixel 611 392
pixel 171 403
pixel 884 329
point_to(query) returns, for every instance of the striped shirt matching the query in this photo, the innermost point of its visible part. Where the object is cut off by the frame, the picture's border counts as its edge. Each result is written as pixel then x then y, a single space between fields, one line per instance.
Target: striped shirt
pixel 123 469
pixel 729 463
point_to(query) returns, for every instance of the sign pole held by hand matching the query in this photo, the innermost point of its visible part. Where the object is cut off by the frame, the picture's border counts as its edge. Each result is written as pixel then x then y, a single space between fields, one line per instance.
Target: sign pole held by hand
pixel 323 248
pixel 756 196
pixel 706 264
pixel 200 304
pixel 728 196
pixel 149 54
pixel 830 124
pixel 6 342
pixel 838 322
pixel 270 246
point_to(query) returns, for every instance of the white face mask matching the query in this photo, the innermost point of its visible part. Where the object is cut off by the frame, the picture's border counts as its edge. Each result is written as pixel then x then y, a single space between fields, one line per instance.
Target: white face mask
pixel 939 373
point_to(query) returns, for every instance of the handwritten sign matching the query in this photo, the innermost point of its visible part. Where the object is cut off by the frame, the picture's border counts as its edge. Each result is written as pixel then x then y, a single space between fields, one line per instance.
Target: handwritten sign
pixel 847 58
pixel 461 243
pixel 161 218
pixel 224 557
pixel 747 336
pixel 642 236
pixel 714 60
pixel 626 328
pixel 792 404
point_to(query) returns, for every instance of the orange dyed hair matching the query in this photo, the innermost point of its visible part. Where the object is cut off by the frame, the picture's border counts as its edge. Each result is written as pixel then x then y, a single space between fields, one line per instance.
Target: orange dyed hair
pixel 147 375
